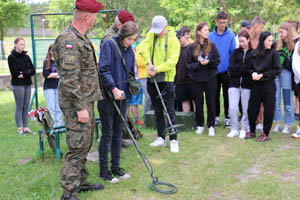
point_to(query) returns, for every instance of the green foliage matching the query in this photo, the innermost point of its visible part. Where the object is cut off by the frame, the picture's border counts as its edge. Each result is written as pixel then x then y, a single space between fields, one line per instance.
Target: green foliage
pixel 58 22
pixel 191 12
pixel 12 14
pixel 142 10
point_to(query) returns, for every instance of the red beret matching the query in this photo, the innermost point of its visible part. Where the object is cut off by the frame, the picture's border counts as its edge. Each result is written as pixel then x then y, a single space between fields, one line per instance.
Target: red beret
pixel 125 16
pixel 91 6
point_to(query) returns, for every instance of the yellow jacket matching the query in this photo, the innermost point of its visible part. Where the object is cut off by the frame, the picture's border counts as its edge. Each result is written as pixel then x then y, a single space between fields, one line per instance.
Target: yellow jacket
pixel 168 66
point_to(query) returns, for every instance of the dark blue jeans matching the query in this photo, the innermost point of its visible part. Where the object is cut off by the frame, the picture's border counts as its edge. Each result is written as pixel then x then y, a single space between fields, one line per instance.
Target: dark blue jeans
pixel 112 126
pixel 168 93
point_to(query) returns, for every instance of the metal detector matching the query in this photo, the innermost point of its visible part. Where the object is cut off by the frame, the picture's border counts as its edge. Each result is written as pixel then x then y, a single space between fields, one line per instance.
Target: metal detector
pixel 173 128
pixel 155 183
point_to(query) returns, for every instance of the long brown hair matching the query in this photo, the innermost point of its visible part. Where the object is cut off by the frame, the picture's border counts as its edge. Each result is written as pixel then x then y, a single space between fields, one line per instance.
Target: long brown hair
pixel 290 42
pixel 16 42
pixel 48 57
pixel 246 35
pixel 197 45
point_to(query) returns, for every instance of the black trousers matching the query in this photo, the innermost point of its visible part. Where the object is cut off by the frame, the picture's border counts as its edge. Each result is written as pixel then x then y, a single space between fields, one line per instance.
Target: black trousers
pixel 168 93
pixel 222 80
pixel 209 88
pixel 112 126
pixel 262 92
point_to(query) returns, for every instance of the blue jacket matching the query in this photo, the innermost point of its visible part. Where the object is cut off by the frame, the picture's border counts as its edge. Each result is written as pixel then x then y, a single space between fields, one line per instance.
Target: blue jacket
pixel 111 67
pixel 225 44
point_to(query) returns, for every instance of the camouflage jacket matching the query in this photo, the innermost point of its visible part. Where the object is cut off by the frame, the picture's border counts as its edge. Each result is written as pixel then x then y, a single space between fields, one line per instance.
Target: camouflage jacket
pixel 111 32
pixel 75 57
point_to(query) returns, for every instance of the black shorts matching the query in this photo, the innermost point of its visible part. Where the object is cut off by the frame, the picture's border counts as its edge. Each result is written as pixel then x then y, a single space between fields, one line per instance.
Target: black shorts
pixel 297 90
pixel 183 92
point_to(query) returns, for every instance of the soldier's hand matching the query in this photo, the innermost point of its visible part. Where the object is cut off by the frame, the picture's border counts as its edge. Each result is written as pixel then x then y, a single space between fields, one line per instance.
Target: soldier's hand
pixel 118 94
pixel 83 116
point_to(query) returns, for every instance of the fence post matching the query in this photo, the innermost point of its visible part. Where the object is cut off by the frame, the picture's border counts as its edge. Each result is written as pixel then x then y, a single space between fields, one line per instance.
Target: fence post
pixel 1 56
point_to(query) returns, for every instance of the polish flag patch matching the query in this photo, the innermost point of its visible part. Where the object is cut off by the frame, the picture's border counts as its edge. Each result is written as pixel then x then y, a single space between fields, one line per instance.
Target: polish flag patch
pixel 69 46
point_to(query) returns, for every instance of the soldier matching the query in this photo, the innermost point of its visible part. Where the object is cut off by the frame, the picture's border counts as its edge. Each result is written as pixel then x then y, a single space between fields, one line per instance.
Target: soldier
pixel 120 19
pixel 79 87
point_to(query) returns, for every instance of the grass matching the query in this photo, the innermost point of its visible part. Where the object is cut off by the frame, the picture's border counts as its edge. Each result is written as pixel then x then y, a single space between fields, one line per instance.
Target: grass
pixel 205 168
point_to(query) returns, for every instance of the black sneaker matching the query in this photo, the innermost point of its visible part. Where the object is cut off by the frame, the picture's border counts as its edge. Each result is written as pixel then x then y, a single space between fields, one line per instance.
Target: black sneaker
pixel 120 173
pixel 108 177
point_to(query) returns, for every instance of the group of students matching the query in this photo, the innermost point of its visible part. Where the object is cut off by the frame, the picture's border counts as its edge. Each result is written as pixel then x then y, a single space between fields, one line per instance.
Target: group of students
pixel 252 74
pixel 252 69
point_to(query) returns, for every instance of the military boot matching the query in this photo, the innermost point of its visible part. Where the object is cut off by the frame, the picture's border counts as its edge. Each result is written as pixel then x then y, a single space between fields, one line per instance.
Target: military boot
pixel 90 187
pixel 69 197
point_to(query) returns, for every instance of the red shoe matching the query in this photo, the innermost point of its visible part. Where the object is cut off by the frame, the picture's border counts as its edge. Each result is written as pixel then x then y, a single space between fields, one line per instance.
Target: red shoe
pixel 250 135
pixel 262 138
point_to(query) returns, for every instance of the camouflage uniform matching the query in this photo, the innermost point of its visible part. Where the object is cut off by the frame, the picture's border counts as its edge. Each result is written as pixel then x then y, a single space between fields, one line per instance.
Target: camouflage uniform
pixel 79 86
pixel 111 32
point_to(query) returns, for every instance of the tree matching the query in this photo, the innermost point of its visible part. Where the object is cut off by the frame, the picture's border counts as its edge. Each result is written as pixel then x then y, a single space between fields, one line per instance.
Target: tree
pixel 12 14
pixel 136 7
pixel 191 12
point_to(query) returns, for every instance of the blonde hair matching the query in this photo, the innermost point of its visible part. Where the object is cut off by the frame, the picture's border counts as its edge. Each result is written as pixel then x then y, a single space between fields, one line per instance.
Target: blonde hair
pixel 290 42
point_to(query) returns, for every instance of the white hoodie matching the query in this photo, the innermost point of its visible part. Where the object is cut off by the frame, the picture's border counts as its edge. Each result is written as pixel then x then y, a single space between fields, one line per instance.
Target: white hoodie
pixel 296 64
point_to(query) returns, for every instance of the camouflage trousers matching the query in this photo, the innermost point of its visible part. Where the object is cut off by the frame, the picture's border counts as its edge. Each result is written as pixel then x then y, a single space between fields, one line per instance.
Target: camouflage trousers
pixel 79 138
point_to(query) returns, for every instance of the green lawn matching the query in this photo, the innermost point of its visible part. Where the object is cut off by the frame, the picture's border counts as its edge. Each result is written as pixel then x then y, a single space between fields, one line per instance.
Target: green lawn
pixel 205 168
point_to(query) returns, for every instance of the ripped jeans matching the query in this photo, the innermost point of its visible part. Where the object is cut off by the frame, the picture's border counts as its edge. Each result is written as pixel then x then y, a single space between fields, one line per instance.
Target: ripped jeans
pixel 284 85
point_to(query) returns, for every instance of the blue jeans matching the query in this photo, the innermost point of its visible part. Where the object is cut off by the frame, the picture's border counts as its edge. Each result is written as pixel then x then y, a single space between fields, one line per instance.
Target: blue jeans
pixel 112 126
pixel 284 82
pixel 51 97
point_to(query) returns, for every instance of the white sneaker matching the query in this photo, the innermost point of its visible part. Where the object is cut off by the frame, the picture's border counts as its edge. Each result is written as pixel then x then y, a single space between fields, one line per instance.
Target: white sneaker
pixel 286 129
pixel 199 130
pixel 211 131
pixel 233 133
pixel 174 147
pixel 297 134
pixel 277 128
pixel 259 128
pixel 242 134
pixel 158 142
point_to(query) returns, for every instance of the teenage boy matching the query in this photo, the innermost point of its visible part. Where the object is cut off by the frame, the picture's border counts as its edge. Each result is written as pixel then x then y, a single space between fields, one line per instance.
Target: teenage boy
pixel 182 80
pixel 224 40
pixel 160 51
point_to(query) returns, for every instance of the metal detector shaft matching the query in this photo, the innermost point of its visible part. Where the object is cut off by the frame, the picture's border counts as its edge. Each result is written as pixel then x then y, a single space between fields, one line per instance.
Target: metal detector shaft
pixel 162 101
pixel 155 182
pixel 145 160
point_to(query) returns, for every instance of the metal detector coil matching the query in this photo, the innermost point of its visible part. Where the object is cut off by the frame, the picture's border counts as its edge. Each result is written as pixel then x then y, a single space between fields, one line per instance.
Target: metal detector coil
pixel 154 186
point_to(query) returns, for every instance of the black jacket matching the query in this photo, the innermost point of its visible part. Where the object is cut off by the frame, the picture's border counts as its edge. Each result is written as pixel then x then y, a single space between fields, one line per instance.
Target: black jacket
pixel 20 63
pixel 50 83
pixel 239 67
pixel 269 65
pixel 199 72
